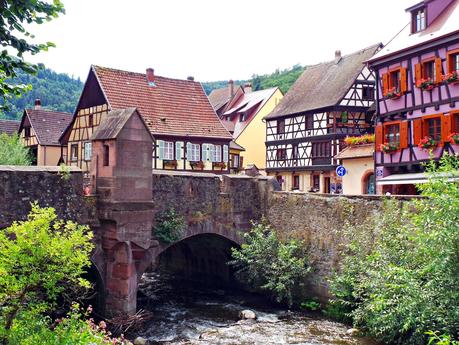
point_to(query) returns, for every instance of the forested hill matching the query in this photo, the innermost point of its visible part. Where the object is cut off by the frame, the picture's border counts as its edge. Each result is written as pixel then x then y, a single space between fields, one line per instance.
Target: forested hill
pixel 282 78
pixel 57 91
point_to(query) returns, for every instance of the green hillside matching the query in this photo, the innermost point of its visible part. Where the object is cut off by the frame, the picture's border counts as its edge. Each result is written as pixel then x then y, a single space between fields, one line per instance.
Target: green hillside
pixel 284 79
pixel 57 91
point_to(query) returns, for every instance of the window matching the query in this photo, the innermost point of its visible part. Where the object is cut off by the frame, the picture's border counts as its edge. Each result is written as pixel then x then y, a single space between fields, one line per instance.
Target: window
pixel 455 122
pixel 192 152
pixel 453 61
pixel 309 121
pixel 27 132
pixel 91 120
pixel 369 184
pixel 234 161
pixel 392 134
pixel 429 71
pixel 296 182
pixel 215 153
pixel 168 150
pixel 280 180
pixel 316 182
pixel 106 155
pixel 431 126
pixel 395 80
pixel 280 126
pixel 281 154
pixel 321 149
pixel 418 20
pixel 294 151
pixel 242 117
pixel 87 151
pixel 368 93
pixel 74 152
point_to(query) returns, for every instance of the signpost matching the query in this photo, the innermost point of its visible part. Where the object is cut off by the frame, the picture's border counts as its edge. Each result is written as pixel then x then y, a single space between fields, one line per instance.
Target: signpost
pixel 340 171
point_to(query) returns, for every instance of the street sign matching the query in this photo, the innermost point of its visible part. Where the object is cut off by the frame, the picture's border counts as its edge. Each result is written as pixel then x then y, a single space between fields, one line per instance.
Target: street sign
pixel 340 171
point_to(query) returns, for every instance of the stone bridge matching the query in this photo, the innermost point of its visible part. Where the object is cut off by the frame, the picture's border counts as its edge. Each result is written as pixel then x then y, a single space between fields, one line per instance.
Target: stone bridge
pixel 214 207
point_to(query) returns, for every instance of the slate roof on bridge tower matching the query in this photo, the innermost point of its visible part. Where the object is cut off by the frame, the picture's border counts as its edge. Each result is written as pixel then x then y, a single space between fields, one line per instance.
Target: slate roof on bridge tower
pixel 171 107
pixel 9 126
pixel 48 125
pixel 323 85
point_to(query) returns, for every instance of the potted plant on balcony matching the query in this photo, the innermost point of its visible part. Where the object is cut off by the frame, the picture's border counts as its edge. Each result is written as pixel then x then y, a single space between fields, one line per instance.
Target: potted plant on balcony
pixel 392 93
pixel 451 78
pixel 427 143
pixel 171 164
pixel 426 84
pixel 453 138
pixel 389 148
pixel 197 165
pixel 219 165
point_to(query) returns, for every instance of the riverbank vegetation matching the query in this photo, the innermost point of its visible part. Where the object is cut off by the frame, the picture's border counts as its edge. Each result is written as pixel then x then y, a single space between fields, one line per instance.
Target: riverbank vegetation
pixel 42 261
pixel 270 264
pixel 403 281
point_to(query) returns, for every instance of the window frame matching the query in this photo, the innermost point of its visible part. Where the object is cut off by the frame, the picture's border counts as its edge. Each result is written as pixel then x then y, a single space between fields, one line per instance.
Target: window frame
pixel 295 185
pixel 454 120
pixel 280 124
pixel 414 20
pixel 281 154
pixel 450 54
pixel 321 149
pixel 168 150
pixel 425 127
pixel 85 151
pixel 431 61
pixel 73 149
pixel 399 79
pixel 387 125
pixel 370 91
pixel 195 152
pixel 106 155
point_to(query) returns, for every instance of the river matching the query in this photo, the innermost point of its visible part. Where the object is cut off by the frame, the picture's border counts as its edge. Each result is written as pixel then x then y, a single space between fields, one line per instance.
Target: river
pixel 189 315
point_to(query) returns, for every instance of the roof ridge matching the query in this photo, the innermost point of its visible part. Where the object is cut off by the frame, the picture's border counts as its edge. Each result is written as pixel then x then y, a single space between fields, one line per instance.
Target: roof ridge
pixel 49 111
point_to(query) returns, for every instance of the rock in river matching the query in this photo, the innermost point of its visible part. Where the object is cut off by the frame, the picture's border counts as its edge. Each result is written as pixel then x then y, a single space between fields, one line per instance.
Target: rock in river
pixel 247 314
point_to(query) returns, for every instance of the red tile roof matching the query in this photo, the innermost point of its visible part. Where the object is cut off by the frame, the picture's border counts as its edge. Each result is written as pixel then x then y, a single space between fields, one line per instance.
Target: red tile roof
pixel 171 107
pixel 48 125
pixel 9 126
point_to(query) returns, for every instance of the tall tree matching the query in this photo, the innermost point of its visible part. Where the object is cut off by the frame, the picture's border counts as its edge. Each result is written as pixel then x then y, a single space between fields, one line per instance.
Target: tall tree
pixel 17 41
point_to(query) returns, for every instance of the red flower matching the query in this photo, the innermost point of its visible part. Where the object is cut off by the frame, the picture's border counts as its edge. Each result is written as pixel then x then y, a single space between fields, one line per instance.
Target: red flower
pixel 427 143
pixel 453 138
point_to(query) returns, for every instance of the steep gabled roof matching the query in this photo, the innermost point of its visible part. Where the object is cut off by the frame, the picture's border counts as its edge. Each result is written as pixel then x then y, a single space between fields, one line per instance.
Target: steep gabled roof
pixel 48 125
pixel 9 126
pixel 444 25
pixel 323 85
pixel 112 124
pixel 171 107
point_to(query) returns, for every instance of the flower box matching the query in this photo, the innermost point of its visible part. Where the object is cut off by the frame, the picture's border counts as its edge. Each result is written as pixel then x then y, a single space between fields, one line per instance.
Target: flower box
pixel 199 165
pixel 393 93
pixel 451 78
pixel 171 164
pixel 389 148
pixel 427 143
pixel 219 165
pixel 453 138
pixel 426 84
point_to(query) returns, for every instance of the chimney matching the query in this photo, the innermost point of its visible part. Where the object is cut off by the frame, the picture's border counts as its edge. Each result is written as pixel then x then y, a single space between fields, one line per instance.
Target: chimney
pixel 190 78
pixel 248 87
pixel 37 104
pixel 151 77
pixel 231 88
pixel 337 56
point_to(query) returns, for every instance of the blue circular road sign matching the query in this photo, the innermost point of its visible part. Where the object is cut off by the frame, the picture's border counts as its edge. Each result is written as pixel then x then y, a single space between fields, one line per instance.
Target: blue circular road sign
pixel 340 171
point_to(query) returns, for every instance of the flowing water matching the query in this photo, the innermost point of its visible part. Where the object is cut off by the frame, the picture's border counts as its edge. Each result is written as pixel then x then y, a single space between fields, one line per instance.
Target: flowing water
pixel 190 315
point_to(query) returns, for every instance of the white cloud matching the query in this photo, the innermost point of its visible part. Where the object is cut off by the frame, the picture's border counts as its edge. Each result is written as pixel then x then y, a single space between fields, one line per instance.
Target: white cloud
pixel 213 39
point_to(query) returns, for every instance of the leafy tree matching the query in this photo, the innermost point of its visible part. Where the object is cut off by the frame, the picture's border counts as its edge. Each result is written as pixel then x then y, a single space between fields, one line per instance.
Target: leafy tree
pixel 405 282
pixel 13 35
pixel 269 263
pixel 12 151
pixel 40 258
pixel 169 226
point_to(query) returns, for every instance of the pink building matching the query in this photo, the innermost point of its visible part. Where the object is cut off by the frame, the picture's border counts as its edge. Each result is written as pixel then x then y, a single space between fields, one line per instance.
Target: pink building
pixel 418 95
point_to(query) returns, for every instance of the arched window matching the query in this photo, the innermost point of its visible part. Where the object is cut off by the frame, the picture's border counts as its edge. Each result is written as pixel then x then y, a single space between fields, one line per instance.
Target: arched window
pixel 369 184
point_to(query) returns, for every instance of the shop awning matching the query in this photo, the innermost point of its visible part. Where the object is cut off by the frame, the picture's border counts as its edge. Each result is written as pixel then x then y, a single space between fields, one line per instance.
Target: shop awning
pixel 409 179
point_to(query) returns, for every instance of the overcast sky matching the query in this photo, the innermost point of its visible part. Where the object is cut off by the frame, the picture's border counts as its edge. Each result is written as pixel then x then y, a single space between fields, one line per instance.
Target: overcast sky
pixel 213 39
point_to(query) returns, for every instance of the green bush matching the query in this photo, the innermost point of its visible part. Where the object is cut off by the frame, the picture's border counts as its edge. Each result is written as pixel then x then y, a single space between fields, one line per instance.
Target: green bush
pixel 12 151
pixel 169 226
pixel 270 264
pixel 312 304
pixel 435 339
pixel 404 282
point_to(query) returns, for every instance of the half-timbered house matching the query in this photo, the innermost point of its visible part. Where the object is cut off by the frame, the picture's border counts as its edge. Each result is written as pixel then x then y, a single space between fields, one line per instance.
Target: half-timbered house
pixel 305 132
pixel 418 95
pixel 40 130
pixel 188 133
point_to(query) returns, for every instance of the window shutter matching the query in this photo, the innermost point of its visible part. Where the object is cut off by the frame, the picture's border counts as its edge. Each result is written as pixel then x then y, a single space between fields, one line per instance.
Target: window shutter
pixel 178 150
pixel 188 151
pixel 404 134
pixel 241 161
pixel 403 80
pixel 449 67
pixel 438 70
pixel 378 137
pixel 205 152
pixel 225 153
pixel 161 149
pixel 385 81
pixel 417 131
pixel 445 127
pixel 418 74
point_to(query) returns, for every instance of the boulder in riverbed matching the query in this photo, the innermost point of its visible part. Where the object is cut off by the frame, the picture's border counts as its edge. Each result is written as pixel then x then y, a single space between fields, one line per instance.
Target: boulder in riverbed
pixel 352 331
pixel 247 314
pixel 140 341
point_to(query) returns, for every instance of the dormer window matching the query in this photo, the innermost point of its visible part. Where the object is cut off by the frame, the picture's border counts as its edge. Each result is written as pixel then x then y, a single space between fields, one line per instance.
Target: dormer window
pixel 418 20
